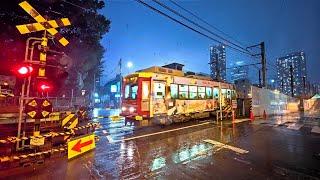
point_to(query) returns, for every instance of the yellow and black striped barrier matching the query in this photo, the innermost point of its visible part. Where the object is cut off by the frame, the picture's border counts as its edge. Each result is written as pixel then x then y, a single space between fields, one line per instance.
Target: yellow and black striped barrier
pixel 70 121
pixel 50 134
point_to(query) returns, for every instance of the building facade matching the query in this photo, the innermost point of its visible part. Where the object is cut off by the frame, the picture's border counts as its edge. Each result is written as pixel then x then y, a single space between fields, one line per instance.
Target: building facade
pixel 218 62
pixel 239 72
pixel 292 74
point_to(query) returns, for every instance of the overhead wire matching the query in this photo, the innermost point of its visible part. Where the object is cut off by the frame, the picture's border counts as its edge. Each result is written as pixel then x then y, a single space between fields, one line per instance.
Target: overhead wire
pixel 189 27
pixel 196 24
pixel 205 22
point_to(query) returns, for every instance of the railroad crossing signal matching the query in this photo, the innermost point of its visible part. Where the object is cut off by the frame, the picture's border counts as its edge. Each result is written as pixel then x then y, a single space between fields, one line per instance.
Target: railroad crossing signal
pixel 38 108
pixel 43 24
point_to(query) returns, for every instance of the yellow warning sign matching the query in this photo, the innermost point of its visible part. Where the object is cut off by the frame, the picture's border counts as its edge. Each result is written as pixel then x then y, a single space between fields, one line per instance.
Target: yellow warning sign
pixel 46 103
pixel 45 113
pixel 32 114
pixel 80 145
pixel 33 103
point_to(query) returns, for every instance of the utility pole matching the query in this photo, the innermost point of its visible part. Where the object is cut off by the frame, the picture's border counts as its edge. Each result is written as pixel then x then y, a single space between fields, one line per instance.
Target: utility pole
pixel 291 79
pixel 304 86
pixel 120 74
pixel 260 78
pixel 263 64
pixel 94 88
pixel 262 54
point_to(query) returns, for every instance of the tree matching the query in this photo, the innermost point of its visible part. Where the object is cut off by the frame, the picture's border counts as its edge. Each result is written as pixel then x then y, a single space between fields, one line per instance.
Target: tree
pixel 86 30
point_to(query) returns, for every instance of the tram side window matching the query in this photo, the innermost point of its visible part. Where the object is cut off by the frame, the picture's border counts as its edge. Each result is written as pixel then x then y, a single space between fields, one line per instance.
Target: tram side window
pixel 174 91
pixel 159 90
pixel 201 92
pixel 192 92
pixel 215 93
pixel 183 91
pixel 228 93
pixel 233 94
pixel 209 92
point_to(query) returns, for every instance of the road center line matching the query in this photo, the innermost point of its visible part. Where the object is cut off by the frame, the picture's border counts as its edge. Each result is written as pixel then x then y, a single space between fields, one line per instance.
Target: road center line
pixel 221 145
pixel 161 132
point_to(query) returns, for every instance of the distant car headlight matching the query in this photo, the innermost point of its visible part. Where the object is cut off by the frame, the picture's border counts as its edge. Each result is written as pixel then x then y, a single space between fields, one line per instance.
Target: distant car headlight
pixel 123 109
pixel 131 109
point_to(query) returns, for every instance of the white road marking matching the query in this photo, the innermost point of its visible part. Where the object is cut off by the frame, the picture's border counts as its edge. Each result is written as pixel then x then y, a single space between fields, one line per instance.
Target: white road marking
pixel 295 126
pixel 161 132
pixel 110 139
pixel 241 120
pixel 241 160
pixel 221 145
pixel 315 129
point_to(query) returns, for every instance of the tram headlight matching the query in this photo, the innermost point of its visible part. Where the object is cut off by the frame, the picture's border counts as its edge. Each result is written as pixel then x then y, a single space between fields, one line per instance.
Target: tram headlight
pixel 123 108
pixel 131 109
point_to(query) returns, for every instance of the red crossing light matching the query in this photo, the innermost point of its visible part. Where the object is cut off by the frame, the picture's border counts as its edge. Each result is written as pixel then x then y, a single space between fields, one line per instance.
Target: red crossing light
pixel 23 70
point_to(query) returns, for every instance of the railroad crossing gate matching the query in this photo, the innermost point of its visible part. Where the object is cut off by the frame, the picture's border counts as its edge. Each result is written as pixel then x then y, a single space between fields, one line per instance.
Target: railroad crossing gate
pixel 81 145
pixel 43 24
pixel 38 108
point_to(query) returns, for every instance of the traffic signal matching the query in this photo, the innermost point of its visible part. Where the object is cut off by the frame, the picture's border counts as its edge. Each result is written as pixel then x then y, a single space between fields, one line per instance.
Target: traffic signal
pixel 24 70
pixel 44 86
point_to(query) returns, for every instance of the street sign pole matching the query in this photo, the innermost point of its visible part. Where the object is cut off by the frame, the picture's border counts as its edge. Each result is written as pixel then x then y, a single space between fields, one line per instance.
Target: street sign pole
pixel 21 103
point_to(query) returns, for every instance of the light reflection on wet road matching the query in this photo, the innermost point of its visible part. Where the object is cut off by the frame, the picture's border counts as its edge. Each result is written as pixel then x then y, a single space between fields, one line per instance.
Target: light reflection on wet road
pixel 273 152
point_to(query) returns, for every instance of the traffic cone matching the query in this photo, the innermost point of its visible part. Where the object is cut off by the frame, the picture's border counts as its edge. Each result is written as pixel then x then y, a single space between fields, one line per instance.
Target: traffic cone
pixel 251 116
pixel 264 115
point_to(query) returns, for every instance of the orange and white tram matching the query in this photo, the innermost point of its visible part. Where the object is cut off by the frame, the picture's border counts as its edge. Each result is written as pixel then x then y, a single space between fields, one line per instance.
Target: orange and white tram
pixel 164 93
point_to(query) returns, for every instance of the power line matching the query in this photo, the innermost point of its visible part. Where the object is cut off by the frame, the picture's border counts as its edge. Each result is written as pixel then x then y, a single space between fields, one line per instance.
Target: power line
pixel 205 22
pixel 196 24
pixel 243 65
pixel 183 24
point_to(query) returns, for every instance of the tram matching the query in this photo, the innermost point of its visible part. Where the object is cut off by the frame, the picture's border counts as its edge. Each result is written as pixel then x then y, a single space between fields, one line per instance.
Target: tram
pixel 169 95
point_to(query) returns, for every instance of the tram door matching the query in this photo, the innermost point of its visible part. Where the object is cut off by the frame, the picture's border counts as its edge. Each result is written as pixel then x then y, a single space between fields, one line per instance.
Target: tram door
pixel 145 89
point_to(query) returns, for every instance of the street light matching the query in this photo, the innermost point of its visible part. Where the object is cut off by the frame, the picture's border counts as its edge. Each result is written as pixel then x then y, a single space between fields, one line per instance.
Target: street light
pixel 129 64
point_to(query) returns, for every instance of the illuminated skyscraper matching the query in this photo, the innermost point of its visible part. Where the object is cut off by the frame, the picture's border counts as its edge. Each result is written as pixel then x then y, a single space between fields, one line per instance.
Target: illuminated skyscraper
pixel 218 62
pixel 238 71
pixel 292 73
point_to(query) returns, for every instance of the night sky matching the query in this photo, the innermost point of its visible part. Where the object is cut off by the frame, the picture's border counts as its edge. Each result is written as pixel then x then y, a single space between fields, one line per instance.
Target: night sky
pixel 146 38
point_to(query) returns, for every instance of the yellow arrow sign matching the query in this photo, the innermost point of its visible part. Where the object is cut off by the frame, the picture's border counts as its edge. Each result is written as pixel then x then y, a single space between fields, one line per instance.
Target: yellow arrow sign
pixel 80 145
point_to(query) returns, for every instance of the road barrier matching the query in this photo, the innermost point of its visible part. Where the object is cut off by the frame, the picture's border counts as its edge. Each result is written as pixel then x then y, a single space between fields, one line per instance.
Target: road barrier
pixel 50 134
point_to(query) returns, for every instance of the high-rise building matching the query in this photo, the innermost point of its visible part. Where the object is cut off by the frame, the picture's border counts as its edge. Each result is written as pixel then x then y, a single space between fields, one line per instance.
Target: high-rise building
pixel 292 74
pixel 218 62
pixel 239 71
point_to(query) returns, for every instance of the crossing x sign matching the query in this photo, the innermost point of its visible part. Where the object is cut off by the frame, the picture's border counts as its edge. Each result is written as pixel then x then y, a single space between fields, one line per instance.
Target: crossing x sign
pixel 43 24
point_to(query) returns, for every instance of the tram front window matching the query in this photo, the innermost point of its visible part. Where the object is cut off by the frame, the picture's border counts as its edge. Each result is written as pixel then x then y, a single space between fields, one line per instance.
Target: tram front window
pixel 131 91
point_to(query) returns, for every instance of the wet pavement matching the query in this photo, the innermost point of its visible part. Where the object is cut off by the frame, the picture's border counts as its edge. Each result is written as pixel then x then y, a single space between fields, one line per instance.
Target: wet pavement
pixel 262 149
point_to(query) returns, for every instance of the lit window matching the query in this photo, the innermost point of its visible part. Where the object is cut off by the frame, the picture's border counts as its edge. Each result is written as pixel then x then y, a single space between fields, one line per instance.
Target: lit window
pixel 174 91
pixel 201 92
pixel 215 93
pixel 193 92
pixel 209 92
pixel 134 91
pixel 145 89
pixel 183 91
pixel 127 91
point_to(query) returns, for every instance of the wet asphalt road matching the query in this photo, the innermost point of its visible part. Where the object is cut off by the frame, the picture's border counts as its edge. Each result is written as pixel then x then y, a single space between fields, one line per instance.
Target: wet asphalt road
pixel 275 151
